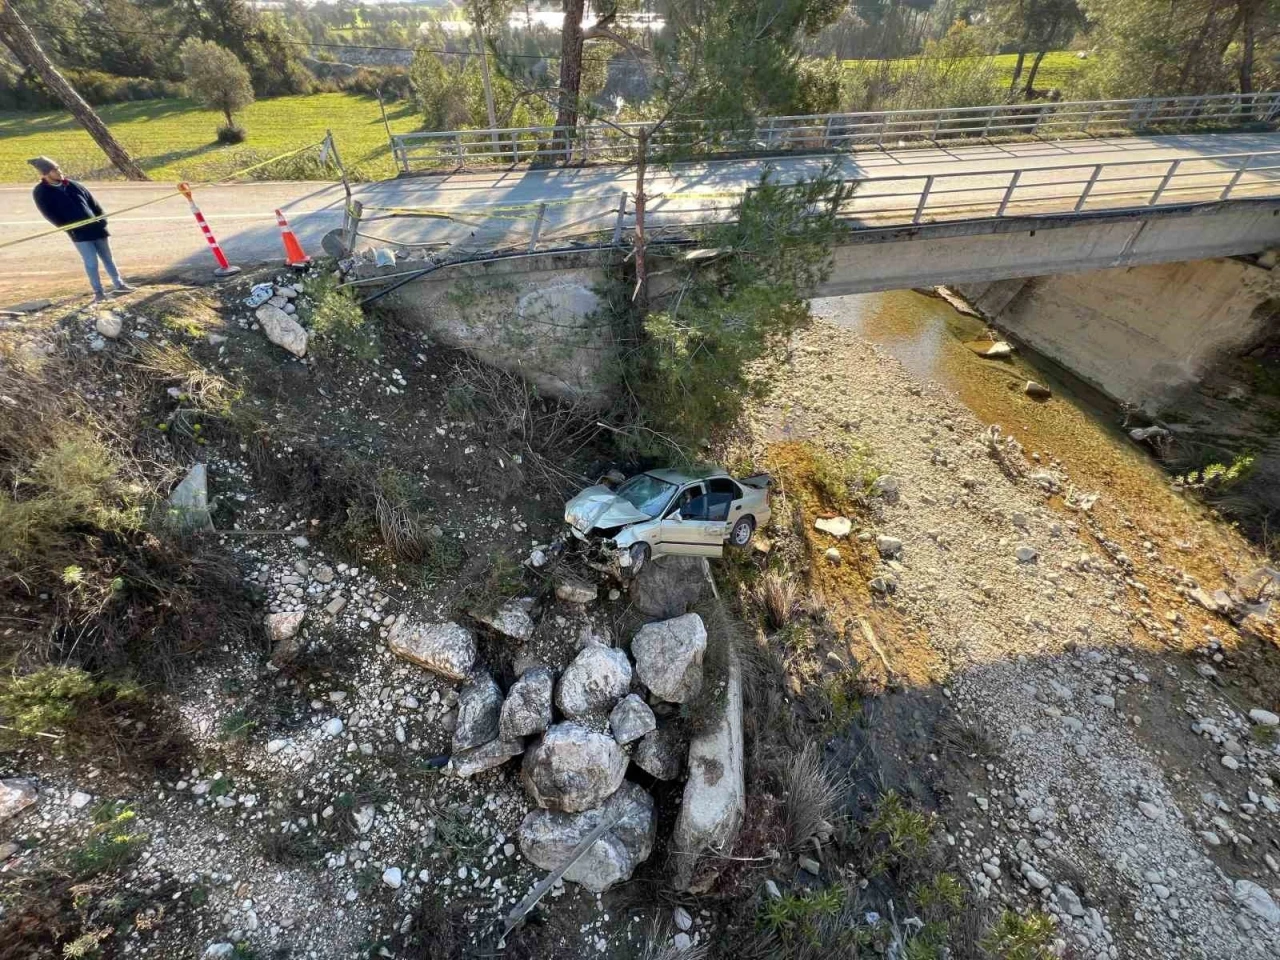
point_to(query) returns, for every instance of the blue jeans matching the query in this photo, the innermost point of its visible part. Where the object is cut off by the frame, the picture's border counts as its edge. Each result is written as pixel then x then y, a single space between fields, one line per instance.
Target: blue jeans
pixel 91 251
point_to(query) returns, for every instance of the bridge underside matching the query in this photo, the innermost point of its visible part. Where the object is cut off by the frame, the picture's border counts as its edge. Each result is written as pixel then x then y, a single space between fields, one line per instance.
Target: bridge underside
pixel 983 251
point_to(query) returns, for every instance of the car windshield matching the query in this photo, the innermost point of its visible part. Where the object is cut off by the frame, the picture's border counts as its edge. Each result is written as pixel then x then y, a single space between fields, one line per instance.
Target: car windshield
pixel 647 494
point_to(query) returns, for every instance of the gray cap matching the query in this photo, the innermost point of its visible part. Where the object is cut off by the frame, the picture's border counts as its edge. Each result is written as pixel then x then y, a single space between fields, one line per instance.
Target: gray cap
pixel 44 164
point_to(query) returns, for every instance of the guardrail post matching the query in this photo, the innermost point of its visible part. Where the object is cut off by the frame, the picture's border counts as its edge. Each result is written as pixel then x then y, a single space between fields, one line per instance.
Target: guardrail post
pixel 1035 126
pixel 457 146
pixel 884 123
pixel 1008 194
pixel 924 198
pixel 991 115
pixel 354 210
pixel 1088 117
pixel 1088 187
pixel 1169 175
pixel 1191 113
pixel 537 227
pixel 937 124
pixel 333 151
pixel 826 134
pixel 622 213
pixel 1235 178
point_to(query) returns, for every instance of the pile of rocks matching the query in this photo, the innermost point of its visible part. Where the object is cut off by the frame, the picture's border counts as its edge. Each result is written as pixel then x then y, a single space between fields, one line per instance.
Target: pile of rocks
pixel 578 733
pixel 275 310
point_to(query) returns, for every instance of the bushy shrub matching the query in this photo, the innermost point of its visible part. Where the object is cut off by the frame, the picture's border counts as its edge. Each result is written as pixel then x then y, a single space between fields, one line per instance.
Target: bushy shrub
pixel 21 91
pixel 231 133
pixel 394 82
pixel 337 320
pixel 72 487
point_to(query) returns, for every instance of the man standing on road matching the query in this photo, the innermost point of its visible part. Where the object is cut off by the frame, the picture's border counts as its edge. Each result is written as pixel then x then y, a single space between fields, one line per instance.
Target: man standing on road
pixel 63 202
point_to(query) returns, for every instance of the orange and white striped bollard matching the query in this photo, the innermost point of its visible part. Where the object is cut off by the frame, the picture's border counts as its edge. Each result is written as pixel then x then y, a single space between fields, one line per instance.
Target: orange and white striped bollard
pixel 224 269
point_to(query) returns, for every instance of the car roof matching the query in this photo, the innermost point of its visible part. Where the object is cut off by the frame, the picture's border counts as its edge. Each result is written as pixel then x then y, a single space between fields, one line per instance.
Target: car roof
pixel 671 475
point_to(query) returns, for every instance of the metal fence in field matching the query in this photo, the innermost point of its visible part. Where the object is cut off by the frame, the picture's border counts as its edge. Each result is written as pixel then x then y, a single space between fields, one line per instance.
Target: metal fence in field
pixel 599 141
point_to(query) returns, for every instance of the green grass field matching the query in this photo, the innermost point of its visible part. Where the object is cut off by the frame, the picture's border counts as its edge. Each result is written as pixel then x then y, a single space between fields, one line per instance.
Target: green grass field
pixel 174 139
pixel 1058 69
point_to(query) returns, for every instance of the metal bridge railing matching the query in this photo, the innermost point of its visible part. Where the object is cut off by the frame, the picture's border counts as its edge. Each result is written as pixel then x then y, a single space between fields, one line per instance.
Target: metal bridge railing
pixel 454 149
pixel 871 202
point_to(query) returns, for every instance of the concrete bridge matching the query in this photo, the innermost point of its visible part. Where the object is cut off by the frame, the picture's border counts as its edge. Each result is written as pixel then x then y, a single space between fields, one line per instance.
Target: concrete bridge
pixel 914 217
pixel 518 280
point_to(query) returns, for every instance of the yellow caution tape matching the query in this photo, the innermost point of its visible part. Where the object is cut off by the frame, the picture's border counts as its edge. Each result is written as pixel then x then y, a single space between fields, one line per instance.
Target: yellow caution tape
pixel 147 203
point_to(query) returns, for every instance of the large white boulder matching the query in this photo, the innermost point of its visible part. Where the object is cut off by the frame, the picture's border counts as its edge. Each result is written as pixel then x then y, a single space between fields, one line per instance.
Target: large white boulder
pixel 479 703
pixel 512 619
pixel 597 678
pixel 669 657
pixel 573 768
pixel 527 709
pixel 495 753
pixel 669 586
pixel 548 839
pixel 448 649
pixel 16 795
pixel 1256 900
pixel 282 330
pixel 631 719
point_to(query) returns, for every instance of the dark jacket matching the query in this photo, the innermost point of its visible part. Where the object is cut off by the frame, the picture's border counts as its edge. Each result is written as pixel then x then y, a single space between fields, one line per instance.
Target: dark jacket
pixel 69 202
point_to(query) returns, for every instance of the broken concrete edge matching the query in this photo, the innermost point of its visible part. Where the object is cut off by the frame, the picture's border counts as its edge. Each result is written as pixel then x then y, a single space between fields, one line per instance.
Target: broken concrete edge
pixel 714 802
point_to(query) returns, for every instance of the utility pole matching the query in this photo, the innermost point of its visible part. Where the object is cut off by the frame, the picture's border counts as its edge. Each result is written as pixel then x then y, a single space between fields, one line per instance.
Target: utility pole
pixel 17 36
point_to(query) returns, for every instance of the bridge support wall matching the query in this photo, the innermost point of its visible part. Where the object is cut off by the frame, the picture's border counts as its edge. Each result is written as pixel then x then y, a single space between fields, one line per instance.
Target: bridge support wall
pixel 1140 334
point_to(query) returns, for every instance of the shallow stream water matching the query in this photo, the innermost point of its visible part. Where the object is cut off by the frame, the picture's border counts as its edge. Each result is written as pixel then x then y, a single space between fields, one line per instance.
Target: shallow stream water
pixel 1078 426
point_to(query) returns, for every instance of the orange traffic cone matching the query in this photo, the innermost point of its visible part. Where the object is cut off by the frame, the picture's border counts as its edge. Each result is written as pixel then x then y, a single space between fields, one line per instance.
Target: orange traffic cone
pixel 294 255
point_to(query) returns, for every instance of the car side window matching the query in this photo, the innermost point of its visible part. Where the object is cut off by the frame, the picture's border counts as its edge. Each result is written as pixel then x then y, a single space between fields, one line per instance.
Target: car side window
pixel 713 506
pixel 723 486
pixel 686 500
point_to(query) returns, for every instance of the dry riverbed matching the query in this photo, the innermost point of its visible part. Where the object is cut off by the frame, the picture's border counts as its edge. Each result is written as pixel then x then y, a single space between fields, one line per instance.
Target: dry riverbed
pixel 1123 785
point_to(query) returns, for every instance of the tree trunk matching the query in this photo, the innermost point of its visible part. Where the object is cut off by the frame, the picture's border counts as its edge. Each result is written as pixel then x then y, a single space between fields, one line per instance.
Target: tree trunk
pixel 1029 90
pixel 1017 70
pixel 488 88
pixel 1249 29
pixel 641 296
pixel 18 38
pixel 570 68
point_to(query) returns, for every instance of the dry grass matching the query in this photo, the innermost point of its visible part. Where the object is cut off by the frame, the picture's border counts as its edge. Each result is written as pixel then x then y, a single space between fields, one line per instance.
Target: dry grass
pixel 778 594
pixel 85 580
pixel 659 946
pixel 538 435
pixel 813 799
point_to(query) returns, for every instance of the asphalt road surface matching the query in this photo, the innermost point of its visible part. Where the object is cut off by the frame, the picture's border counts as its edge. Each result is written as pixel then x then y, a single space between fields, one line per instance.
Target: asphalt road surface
pixel 480 211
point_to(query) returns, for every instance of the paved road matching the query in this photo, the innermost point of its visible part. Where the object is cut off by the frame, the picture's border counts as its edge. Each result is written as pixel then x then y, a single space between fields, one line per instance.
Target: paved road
pixel 500 208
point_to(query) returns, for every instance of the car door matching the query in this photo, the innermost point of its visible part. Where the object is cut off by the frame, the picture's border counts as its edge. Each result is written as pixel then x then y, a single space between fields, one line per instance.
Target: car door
pixel 727 501
pixel 688 528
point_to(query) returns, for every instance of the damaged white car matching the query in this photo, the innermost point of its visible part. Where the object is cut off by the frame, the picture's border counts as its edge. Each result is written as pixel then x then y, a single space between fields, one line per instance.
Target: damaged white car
pixel 668 512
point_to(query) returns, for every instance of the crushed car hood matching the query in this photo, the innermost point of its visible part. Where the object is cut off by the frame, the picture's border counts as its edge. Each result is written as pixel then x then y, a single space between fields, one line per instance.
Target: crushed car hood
pixel 600 507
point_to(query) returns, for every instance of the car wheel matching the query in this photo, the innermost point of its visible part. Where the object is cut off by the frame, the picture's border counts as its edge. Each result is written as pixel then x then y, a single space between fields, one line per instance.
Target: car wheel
pixel 639 557
pixel 740 535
